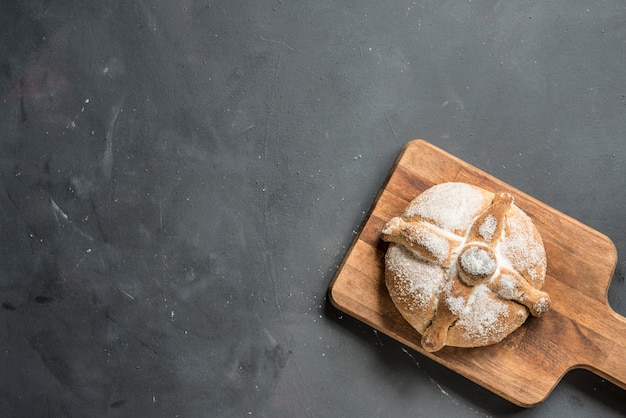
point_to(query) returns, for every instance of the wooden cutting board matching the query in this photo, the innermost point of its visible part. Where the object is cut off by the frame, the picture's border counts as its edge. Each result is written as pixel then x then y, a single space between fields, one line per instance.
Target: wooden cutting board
pixel 579 331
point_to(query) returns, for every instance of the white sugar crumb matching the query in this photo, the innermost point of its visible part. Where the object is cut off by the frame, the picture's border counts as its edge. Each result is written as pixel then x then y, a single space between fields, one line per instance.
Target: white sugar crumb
pixel 482 314
pixel 541 306
pixel 488 227
pixel 391 225
pixel 478 262
pixel 507 288
pixel 451 206
pixel 437 245
pixel 418 280
pixel 456 304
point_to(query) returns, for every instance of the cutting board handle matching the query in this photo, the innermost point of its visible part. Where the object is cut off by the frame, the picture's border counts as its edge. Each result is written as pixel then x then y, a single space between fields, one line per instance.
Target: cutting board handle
pixel 612 366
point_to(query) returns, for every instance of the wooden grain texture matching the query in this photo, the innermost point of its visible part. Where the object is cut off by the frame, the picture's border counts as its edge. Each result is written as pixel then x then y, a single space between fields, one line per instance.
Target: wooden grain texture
pixel 579 331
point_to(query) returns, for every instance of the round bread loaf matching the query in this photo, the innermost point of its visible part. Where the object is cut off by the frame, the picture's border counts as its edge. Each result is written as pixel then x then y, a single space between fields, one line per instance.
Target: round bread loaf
pixel 464 266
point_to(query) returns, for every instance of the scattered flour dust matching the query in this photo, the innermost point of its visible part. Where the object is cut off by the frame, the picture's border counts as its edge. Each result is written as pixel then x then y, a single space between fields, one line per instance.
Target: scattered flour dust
pixel 443 392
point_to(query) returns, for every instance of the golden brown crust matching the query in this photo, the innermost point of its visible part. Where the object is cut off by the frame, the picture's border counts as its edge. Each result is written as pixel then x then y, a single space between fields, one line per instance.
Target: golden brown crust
pixel 414 299
pixel 464 266
pixel 511 316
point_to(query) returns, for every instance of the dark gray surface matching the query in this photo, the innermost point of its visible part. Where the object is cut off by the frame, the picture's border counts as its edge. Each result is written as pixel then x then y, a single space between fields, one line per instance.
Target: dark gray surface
pixel 180 180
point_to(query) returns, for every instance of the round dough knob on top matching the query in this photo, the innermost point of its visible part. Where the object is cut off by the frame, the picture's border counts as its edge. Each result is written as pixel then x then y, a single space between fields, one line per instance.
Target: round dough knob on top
pixel 464 266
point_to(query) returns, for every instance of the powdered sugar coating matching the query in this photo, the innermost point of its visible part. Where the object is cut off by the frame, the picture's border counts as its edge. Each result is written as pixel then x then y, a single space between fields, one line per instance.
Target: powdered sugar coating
pixel 488 227
pixel 456 304
pixel 451 206
pixel 391 225
pixel 478 261
pixel 507 289
pixel 482 314
pixel 410 272
pixel 438 246
pixel 521 249
pixel 542 305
